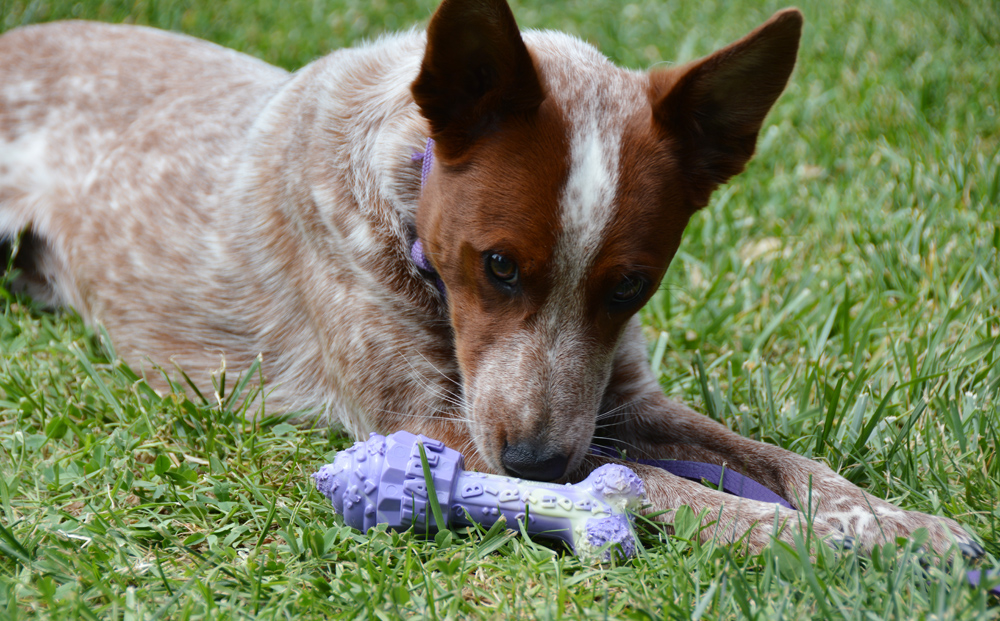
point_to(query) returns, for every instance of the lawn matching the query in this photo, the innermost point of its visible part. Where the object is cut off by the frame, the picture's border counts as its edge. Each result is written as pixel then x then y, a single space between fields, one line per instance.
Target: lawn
pixel 841 298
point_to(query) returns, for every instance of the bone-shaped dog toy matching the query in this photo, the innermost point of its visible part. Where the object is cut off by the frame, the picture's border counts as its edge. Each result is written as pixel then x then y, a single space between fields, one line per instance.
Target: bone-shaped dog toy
pixel 381 481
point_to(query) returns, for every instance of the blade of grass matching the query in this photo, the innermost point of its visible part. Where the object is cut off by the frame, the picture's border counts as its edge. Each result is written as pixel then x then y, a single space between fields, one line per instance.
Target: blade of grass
pixel 432 497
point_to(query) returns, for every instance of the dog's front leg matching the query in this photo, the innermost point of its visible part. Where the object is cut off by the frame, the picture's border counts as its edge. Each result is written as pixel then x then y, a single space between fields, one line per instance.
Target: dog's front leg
pixel 642 421
pixel 730 519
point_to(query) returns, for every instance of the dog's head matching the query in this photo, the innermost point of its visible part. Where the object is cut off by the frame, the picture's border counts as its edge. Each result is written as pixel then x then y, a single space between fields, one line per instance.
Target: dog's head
pixel 561 187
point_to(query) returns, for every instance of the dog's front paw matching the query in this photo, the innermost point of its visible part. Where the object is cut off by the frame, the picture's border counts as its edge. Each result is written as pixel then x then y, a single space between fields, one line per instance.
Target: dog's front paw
pixel 753 526
pixel 750 524
pixel 871 521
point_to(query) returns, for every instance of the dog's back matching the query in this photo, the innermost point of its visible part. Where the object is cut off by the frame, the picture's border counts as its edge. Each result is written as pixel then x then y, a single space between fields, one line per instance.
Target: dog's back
pixel 82 103
pixel 114 142
pixel 203 205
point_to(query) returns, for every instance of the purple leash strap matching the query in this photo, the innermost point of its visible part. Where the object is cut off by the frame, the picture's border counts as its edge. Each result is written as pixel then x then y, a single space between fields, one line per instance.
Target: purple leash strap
pixel 729 481
pixel 974 576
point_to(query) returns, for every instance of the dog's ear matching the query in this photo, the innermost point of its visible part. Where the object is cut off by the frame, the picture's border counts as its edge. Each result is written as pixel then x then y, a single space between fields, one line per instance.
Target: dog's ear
pixel 713 108
pixel 476 71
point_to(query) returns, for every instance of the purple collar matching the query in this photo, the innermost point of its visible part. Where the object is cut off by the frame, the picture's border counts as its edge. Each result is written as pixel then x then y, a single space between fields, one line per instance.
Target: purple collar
pixel 428 160
pixel 424 265
pixel 417 249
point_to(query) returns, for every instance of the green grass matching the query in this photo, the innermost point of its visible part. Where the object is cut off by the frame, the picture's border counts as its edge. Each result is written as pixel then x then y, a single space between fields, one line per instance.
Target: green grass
pixel 841 298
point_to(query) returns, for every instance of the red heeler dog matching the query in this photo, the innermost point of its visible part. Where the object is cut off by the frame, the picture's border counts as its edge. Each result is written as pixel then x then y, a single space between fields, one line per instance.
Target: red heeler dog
pixel 199 203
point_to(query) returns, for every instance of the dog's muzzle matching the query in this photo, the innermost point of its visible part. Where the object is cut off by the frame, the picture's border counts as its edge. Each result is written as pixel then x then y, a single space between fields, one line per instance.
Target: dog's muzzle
pixel 529 461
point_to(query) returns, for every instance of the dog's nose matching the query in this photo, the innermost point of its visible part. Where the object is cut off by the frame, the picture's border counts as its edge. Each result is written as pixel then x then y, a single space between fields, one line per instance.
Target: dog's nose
pixel 527 461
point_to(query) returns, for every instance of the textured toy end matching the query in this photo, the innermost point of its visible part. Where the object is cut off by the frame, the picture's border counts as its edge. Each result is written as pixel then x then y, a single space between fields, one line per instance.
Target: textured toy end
pixel 381 481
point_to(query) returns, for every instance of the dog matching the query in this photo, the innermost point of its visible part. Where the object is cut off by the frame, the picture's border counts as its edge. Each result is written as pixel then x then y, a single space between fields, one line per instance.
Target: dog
pixel 207 208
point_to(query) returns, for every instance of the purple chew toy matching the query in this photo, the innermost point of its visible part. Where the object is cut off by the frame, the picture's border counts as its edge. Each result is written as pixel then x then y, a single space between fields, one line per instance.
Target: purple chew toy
pixel 381 481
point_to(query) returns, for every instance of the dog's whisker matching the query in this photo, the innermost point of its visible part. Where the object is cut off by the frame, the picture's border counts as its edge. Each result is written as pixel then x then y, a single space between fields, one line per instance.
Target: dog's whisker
pixel 439 371
pixel 421 377
pixel 430 404
pixel 608 422
pixel 457 400
pixel 618 443
pixel 613 411
pixel 614 417
pixel 468 447
pixel 436 417
pixel 612 427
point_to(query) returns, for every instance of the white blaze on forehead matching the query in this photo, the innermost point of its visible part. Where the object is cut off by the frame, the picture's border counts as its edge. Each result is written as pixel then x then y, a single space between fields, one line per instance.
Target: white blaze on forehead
pixel 586 207
pixel 559 369
pixel 597 101
pixel 590 190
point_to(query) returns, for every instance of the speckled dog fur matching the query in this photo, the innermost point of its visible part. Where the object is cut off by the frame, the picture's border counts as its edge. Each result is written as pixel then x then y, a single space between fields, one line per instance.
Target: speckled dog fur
pixel 203 205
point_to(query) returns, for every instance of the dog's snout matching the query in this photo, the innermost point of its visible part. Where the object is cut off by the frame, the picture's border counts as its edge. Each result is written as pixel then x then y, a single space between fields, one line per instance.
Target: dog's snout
pixel 528 461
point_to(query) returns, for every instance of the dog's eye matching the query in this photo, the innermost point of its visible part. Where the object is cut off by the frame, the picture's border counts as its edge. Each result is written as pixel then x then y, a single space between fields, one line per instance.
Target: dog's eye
pixel 502 269
pixel 628 290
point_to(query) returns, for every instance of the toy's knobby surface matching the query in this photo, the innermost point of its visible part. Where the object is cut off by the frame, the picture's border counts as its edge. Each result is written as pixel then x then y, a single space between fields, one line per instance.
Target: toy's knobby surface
pixel 381 481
